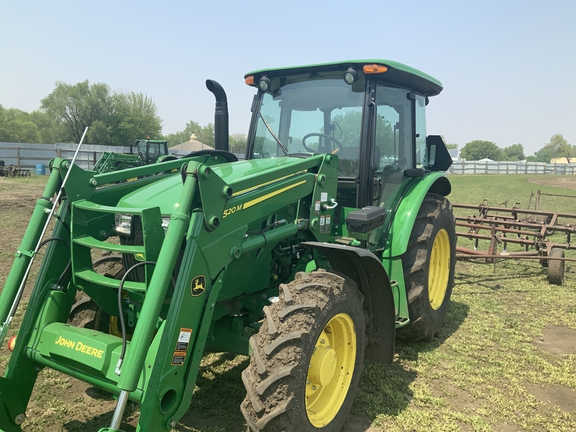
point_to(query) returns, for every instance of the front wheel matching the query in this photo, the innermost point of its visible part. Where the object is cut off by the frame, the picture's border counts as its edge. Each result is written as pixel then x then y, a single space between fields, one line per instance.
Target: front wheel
pixel 429 265
pixel 307 357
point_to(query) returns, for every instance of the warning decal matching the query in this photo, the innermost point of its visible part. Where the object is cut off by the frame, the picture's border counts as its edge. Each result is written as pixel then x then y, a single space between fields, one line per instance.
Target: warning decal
pixel 183 339
pixel 178 359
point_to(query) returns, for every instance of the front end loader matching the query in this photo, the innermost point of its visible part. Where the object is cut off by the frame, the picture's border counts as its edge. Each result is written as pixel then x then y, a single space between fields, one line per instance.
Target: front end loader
pixel 332 237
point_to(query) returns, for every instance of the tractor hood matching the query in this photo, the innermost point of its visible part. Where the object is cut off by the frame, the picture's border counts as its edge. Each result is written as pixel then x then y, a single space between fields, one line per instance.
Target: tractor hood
pixel 166 193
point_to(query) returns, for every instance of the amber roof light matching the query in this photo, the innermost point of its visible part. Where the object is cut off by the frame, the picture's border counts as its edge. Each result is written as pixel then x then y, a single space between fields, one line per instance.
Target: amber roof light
pixel 374 69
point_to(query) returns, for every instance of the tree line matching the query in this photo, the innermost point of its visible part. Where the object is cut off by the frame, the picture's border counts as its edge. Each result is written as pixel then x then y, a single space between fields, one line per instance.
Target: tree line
pixel 119 119
pixel 557 147
pixel 113 118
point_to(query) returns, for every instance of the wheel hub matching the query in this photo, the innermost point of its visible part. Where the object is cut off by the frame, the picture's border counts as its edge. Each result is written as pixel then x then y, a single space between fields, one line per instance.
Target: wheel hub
pixel 439 270
pixel 330 370
pixel 323 365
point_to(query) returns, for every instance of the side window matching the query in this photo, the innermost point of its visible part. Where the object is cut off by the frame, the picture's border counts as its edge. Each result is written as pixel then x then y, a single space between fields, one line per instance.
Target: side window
pixel 421 156
pixel 154 153
pixel 394 127
pixel 393 141
pixel 264 144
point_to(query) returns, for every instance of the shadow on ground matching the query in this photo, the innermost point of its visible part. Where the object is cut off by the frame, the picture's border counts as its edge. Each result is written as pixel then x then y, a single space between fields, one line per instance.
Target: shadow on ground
pixel 384 389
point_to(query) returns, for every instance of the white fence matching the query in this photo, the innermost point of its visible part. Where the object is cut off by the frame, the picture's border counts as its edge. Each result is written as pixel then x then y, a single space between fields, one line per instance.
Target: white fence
pixel 506 167
pixel 23 155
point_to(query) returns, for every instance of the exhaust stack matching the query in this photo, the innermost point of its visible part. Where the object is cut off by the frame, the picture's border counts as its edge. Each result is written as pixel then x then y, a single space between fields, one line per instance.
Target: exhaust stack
pixel 220 115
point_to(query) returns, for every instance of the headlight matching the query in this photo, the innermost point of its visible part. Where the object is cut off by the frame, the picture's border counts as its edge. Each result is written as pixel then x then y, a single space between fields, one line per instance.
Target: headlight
pixel 123 224
pixel 165 222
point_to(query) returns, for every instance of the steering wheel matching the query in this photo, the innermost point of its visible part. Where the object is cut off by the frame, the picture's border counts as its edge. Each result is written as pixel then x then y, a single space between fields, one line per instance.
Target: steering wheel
pixel 320 135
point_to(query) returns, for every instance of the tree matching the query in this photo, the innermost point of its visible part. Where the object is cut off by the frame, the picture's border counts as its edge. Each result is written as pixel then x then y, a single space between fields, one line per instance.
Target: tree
pixel 560 147
pixel 135 117
pixel 478 149
pixel 542 155
pixel 203 134
pixel 448 146
pixel 17 126
pixel 515 152
pixel 238 143
pixel 48 130
pixel 113 118
pixel 557 147
pixel 76 107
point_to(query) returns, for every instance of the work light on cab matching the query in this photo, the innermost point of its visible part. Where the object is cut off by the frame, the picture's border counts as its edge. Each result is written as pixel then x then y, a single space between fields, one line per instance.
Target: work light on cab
pixel 264 84
pixel 350 76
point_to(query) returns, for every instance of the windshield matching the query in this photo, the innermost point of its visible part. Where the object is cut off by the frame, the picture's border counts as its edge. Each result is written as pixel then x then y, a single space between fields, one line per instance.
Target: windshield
pixel 322 115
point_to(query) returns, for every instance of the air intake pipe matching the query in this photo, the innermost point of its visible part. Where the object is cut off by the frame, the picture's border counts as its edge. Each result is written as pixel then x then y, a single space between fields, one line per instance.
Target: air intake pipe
pixel 220 115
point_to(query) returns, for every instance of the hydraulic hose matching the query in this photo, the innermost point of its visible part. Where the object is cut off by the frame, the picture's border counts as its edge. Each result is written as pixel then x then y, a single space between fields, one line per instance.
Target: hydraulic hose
pixel 118 371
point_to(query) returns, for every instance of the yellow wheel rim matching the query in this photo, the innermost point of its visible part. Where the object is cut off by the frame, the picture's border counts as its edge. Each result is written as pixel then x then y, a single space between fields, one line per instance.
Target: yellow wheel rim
pixel 439 270
pixel 330 370
pixel 114 326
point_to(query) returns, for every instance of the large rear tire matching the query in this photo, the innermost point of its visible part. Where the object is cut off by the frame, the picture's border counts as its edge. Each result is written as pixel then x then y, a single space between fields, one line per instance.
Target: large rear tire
pixel 307 357
pixel 429 265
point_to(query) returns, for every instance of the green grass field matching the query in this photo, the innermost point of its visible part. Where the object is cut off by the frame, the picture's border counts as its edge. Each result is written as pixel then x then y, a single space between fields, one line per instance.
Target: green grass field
pixel 505 359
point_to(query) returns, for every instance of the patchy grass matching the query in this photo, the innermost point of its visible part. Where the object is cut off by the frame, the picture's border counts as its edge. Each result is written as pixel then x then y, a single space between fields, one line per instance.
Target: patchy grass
pixel 487 371
pixel 505 359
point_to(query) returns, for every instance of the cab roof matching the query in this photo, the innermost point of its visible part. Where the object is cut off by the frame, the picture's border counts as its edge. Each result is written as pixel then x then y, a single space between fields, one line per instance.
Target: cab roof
pixel 398 73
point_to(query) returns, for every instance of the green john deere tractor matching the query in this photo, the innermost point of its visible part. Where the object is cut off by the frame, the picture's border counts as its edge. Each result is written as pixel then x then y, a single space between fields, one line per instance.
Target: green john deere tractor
pixel 142 152
pixel 311 256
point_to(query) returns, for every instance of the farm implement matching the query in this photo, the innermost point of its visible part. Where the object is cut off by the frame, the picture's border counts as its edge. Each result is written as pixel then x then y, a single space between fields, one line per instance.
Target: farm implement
pixel 333 237
pixel 518 234
pixel 12 171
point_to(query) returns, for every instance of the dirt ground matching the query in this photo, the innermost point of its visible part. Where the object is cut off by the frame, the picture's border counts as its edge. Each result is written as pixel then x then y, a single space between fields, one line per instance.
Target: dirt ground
pixel 92 409
pixel 566 182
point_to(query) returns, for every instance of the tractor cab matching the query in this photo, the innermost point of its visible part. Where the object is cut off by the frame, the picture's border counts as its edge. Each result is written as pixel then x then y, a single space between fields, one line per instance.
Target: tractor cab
pixel 149 150
pixel 371 114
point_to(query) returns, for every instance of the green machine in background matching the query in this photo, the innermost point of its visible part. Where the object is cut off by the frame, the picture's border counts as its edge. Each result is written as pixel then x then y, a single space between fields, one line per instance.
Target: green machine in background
pixel 142 152
pixel 331 239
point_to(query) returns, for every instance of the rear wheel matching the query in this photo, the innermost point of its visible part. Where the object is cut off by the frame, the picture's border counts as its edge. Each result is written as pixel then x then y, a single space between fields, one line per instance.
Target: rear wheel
pixel 307 356
pixel 429 265
pixel 556 266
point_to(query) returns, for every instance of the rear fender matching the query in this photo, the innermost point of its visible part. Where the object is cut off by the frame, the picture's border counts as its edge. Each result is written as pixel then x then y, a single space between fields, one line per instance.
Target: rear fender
pixel 405 215
pixel 364 268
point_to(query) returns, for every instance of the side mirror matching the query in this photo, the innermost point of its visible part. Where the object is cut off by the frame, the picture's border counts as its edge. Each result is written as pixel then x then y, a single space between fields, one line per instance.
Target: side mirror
pixel 438 157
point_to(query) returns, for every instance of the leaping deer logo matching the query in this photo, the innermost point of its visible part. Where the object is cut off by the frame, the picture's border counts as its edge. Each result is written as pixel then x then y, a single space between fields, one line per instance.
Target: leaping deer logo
pixel 198 285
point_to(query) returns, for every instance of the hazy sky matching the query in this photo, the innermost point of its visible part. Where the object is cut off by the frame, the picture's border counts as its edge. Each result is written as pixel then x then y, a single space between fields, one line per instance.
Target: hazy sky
pixel 508 67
